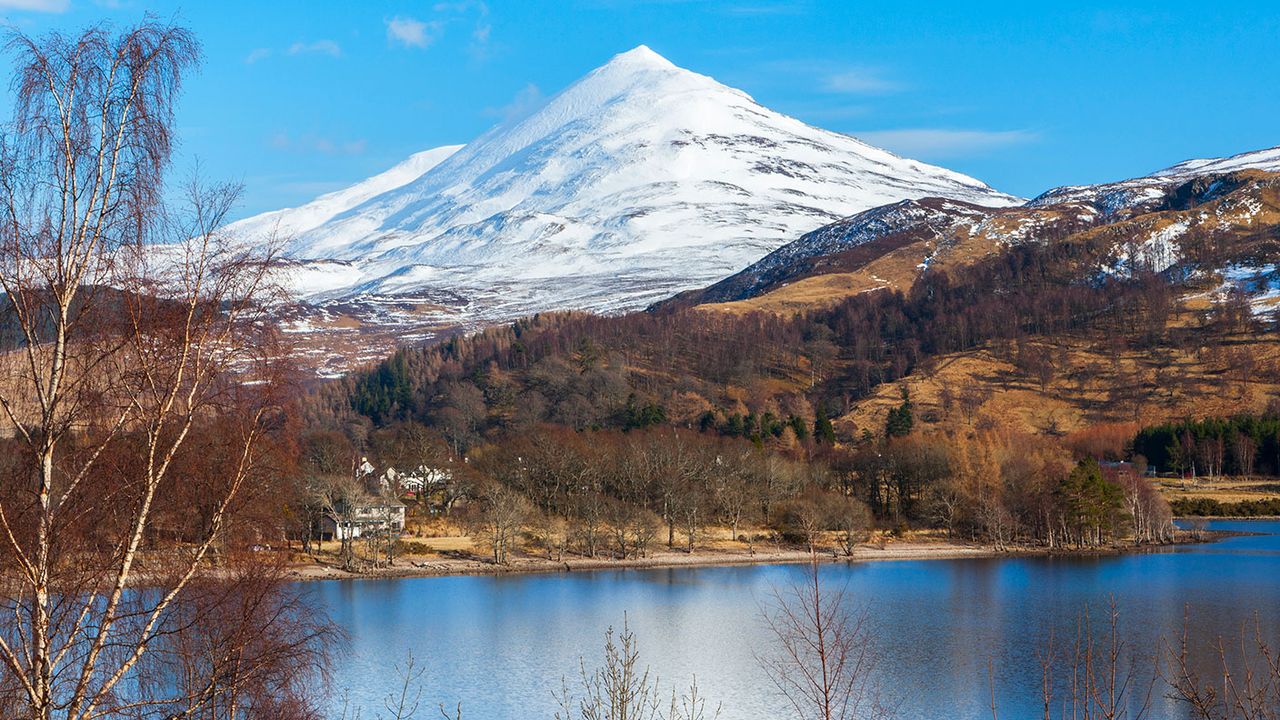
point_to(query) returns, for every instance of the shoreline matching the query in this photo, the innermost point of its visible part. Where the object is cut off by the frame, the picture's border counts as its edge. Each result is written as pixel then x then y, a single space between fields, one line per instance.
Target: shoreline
pixel 458 566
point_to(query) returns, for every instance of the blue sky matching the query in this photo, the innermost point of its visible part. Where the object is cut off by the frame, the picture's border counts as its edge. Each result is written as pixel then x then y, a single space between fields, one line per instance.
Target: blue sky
pixel 297 98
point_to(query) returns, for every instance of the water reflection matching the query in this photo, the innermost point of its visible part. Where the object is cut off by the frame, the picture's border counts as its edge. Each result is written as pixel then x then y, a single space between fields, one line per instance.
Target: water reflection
pixel 501 645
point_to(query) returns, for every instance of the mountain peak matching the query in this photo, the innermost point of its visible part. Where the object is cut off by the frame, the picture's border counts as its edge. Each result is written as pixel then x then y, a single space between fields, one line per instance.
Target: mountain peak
pixel 641 55
pixel 638 180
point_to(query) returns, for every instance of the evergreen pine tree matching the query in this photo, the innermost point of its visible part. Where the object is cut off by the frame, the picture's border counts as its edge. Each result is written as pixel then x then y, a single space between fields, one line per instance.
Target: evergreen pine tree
pixel 823 430
pixel 901 419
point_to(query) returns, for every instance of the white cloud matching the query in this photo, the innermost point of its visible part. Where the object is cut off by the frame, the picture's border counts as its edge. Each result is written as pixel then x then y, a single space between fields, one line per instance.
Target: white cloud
pixel 411 32
pixel 48 6
pixel 528 99
pixel 833 77
pixel 319 47
pixel 256 55
pixel 858 81
pixel 317 144
pixel 944 142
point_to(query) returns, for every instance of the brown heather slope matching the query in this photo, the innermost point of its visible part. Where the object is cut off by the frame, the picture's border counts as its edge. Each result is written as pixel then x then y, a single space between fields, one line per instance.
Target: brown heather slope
pixel 942 235
pixel 1093 380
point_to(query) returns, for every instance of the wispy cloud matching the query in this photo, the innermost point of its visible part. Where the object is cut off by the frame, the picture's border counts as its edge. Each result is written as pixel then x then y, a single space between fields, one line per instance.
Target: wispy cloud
pixel 828 112
pixel 829 76
pixel 318 47
pixel 528 99
pixel 411 32
pixel 46 6
pixel 858 81
pixel 310 143
pixel 482 32
pixel 460 7
pixel 257 55
pixel 939 143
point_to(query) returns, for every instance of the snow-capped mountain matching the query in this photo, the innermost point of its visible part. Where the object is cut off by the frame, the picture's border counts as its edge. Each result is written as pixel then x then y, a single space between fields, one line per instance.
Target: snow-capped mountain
pixel 639 180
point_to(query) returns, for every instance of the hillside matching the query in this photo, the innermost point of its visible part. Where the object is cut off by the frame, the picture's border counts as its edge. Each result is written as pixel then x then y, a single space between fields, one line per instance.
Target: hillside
pixel 1065 384
pixel 1045 319
pixel 1153 222
pixel 692 368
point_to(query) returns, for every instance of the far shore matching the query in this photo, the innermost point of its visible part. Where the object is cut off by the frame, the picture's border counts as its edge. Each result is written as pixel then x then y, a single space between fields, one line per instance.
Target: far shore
pixel 460 564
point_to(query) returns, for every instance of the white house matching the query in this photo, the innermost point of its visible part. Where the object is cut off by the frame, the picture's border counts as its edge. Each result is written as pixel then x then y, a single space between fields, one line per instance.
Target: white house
pixel 421 480
pixel 370 515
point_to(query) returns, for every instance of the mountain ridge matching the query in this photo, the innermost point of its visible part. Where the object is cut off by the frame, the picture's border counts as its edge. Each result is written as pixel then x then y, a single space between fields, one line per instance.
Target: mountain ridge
pixel 933 230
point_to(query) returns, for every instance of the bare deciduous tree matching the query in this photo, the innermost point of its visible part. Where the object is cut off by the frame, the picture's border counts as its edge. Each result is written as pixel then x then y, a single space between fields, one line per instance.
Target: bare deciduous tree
pixel 497 515
pixel 1245 683
pixel 823 657
pixel 852 522
pixel 1100 678
pixel 622 689
pixel 140 401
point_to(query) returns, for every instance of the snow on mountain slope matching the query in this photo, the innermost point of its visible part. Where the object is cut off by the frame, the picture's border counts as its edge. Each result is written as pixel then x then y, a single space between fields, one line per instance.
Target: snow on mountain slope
pixel 1111 198
pixel 1268 159
pixel 639 180
pixel 927 229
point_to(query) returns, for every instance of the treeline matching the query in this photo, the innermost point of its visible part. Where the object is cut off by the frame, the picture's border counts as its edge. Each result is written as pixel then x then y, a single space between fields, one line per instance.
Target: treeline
pixel 620 494
pixel 1238 445
pixel 695 368
pixel 1007 488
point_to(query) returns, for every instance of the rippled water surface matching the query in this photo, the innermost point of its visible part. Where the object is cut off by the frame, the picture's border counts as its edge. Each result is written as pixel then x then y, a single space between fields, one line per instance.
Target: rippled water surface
pixel 500 645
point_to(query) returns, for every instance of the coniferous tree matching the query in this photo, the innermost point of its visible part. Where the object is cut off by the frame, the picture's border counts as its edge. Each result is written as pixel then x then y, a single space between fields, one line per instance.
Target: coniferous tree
pixel 901 419
pixel 823 430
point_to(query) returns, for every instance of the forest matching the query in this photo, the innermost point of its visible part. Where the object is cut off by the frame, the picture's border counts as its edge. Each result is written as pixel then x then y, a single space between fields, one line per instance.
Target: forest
pixel 753 375
pixel 1240 445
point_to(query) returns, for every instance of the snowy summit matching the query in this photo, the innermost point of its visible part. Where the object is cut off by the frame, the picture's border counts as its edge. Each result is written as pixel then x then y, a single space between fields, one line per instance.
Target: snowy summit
pixel 639 180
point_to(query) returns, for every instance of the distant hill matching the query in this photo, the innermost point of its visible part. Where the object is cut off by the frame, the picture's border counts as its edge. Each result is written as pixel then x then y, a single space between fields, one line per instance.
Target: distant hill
pixel 1152 221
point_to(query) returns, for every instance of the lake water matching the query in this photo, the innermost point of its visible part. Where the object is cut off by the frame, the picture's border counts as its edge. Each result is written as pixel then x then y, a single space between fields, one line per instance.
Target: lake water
pixel 500 645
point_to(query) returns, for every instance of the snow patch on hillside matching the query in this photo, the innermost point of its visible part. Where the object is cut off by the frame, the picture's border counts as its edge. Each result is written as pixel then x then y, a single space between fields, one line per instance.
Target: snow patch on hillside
pixel 1259 283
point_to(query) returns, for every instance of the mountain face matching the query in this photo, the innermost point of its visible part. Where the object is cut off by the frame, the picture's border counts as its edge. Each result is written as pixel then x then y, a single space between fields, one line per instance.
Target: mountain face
pixel 1137 222
pixel 639 180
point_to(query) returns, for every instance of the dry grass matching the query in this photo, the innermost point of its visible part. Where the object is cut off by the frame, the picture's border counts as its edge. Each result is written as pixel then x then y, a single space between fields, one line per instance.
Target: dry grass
pixel 1090 386
pixel 1222 489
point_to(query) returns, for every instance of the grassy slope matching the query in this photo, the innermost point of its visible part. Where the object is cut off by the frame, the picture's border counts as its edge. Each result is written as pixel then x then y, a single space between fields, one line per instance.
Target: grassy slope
pixel 1087 387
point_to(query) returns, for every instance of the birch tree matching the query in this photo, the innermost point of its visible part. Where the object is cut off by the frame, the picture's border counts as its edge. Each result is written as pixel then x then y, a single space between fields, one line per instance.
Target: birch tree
pixel 139 400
